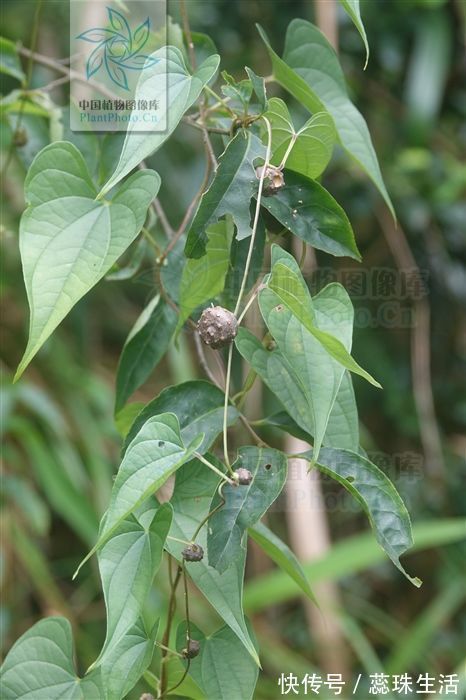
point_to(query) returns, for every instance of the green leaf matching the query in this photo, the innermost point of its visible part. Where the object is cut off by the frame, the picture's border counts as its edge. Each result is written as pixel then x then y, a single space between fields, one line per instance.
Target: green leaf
pixel 234 184
pixel 310 71
pixel 244 505
pixel 204 278
pixel 282 555
pixel 207 418
pixel 9 60
pixel 354 554
pixel 222 669
pixel 318 374
pixel 204 47
pixel 310 212
pixel 155 453
pixel 144 348
pixel 343 425
pixel 124 663
pixel 195 485
pixel 311 146
pixel 129 267
pixel 352 8
pixel 238 257
pixel 258 86
pixel 290 288
pixel 68 240
pixel 39 666
pixel 128 563
pixel 175 89
pixel 239 91
pixel 377 495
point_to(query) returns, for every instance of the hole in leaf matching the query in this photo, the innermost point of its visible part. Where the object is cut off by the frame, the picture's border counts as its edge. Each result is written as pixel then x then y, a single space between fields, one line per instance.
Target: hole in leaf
pixel 350 479
pixel 267 466
pixel 161 443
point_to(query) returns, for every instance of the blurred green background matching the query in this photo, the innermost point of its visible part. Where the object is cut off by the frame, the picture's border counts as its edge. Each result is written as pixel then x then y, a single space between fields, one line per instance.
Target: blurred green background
pixel 60 445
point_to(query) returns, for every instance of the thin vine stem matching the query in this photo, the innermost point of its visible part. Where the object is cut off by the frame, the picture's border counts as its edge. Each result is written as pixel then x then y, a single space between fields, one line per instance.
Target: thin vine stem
pixel 211 466
pixel 243 287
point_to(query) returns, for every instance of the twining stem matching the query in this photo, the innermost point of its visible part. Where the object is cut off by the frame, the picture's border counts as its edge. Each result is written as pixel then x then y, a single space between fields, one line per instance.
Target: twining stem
pixel 187 31
pixel 221 102
pixel 288 151
pixel 210 513
pixel 243 286
pixel 256 216
pixel 214 468
pixel 166 636
pixel 250 302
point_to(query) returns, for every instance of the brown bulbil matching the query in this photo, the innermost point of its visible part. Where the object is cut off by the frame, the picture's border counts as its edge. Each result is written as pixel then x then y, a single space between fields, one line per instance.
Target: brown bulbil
pixel 193 552
pixel 243 476
pixel 274 179
pixel 192 649
pixel 217 327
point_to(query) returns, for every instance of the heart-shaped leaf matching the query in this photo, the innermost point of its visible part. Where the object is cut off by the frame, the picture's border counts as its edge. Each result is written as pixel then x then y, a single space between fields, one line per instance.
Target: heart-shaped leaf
pixel 40 666
pixel 207 418
pixel 125 662
pixel 222 669
pixel 310 71
pixel 155 453
pixel 288 284
pixel 169 82
pixel 244 505
pixel 128 563
pixel 309 149
pixel 279 376
pixel 68 239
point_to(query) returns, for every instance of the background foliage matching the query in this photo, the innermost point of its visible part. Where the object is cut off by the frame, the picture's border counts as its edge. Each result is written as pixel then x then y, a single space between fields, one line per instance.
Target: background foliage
pixel 60 442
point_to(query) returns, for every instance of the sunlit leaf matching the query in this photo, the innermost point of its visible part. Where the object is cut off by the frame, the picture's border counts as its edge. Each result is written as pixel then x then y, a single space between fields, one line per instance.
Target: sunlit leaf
pixel 311 72
pixel 207 418
pixel 175 89
pixel 155 453
pixel 311 146
pixel 128 563
pixel 125 662
pixel 40 666
pixel 352 7
pixel 290 288
pixel 68 239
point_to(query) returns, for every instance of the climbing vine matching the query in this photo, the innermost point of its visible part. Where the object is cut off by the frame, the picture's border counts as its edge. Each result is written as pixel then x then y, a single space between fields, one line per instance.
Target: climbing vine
pixel 262 175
